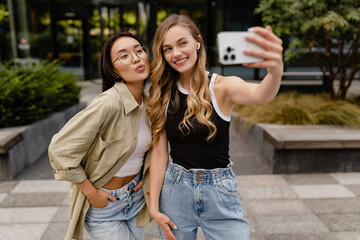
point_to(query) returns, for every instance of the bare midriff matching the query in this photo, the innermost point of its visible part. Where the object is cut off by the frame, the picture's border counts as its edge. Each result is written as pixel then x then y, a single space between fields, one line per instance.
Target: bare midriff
pixel 118 182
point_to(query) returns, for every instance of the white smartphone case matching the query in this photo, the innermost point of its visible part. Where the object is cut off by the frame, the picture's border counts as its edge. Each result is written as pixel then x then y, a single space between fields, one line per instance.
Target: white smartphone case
pixel 231 46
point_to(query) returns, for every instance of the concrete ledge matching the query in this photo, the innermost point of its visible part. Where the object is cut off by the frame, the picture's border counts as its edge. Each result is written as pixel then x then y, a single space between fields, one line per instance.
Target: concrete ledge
pixel 312 137
pixel 22 146
pixel 302 149
pixel 10 137
pixel 301 82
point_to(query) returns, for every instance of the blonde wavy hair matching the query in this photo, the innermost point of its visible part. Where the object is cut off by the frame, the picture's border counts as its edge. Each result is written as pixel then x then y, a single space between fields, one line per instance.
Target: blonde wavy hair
pixel 164 79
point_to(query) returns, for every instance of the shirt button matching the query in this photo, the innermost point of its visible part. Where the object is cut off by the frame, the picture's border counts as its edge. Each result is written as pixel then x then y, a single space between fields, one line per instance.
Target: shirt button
pixel 198 174
pixel 198 179
pixel 147 193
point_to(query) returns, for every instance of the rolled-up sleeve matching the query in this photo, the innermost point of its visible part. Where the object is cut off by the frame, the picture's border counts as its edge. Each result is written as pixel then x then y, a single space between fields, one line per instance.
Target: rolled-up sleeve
pixel 71 144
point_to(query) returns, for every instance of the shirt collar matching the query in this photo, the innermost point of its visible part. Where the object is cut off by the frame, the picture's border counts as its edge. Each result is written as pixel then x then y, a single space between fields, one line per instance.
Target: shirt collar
pixel 127 98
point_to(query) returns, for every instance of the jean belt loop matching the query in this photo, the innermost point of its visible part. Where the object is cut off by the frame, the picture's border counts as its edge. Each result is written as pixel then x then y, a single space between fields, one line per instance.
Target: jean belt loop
pixel 112 193
pixel 213 179
pixel 178 177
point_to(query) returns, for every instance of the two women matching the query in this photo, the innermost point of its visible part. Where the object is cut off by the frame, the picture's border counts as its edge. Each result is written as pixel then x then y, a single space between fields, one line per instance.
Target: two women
pixel 103 151
pixel 191 109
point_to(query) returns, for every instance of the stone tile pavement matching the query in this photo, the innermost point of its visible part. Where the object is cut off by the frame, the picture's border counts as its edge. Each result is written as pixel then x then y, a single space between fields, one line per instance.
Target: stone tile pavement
pixel 278 207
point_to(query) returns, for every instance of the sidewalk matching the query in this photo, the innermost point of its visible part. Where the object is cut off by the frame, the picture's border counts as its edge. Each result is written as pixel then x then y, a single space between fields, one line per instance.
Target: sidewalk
pixel 278 207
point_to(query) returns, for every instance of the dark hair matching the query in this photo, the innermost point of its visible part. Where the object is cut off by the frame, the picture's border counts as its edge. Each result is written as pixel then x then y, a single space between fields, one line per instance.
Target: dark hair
pixel 107 72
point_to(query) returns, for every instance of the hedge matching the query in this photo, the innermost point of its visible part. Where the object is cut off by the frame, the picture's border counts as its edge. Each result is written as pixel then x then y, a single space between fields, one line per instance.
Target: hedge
pixel 31 92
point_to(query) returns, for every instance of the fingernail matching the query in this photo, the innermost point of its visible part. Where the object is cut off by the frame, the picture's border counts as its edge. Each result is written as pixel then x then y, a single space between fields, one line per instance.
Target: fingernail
pixel 248 36
pixel 175 227
pixel 251 29
pixel 117 199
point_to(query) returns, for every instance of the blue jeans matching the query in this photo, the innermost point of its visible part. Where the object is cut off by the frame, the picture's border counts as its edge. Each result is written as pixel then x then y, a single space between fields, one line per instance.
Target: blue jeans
pixel 117 221
pixel 205 198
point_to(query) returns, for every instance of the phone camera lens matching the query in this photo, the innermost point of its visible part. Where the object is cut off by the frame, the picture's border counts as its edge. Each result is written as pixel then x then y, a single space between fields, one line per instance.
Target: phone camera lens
pixel 228 49
pixel 232 57
pixel 226 57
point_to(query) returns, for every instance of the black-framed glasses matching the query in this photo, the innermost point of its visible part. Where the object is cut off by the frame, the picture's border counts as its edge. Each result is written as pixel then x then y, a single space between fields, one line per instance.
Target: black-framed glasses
pixel 126 58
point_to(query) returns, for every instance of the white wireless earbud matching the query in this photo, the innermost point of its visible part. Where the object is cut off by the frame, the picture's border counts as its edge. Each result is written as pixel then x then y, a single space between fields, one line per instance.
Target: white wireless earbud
pixel 198 47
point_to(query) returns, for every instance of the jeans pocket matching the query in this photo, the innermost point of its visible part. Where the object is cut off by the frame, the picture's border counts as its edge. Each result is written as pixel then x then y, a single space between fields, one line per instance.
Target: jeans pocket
pixel 106 207
pixel 139 194
pixel 140 190
pixel 228 186
pixel 168 181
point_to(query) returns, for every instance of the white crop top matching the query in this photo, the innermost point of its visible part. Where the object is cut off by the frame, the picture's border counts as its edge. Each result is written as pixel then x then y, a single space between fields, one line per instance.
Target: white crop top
pixel 133 165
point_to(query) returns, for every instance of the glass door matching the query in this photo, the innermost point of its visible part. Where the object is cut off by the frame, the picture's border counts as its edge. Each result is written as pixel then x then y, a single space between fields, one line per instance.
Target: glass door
pixel 69 44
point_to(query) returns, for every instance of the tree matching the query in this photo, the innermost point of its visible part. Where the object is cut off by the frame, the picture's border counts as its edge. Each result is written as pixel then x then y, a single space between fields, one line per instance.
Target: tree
pixel 4 14
pixel 4 18
pixel 327 29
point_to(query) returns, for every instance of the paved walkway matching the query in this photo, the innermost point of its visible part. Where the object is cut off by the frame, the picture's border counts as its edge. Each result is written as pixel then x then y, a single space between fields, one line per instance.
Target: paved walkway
pixel 278 207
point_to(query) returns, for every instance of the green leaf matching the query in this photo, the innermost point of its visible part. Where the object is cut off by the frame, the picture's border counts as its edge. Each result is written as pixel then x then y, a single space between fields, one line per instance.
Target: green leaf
pixel 322 24
pixel 31 93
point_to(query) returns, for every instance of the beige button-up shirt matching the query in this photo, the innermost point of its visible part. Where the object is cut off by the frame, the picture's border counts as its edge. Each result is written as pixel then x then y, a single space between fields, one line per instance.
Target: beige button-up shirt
pixel 95 144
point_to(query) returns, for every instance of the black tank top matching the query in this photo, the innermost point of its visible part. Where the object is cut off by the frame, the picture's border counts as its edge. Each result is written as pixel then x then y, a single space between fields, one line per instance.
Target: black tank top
pixel 192 150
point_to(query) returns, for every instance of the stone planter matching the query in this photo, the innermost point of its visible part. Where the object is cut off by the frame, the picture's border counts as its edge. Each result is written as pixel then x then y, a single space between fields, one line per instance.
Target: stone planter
pixel 22 146
pixel 302 149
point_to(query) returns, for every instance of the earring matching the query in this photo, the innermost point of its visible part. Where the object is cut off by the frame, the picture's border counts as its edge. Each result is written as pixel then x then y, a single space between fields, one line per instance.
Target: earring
pixel 198 47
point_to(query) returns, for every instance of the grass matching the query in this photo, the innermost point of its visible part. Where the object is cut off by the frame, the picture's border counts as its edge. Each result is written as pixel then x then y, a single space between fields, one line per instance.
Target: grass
pixel 293 108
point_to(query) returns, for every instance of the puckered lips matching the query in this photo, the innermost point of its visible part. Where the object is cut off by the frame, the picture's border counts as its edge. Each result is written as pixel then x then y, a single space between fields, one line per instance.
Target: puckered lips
pixel 140 68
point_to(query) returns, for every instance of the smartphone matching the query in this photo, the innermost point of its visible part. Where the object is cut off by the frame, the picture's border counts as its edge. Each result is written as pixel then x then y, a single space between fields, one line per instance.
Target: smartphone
pixel 231 46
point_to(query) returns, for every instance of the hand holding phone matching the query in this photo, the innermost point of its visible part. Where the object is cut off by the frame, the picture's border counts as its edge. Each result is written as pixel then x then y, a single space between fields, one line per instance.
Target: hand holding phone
pixel 231 46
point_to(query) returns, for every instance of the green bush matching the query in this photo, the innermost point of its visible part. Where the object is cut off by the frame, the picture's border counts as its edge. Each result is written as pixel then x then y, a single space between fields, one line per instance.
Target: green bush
pixel 294 108
pixel 29 93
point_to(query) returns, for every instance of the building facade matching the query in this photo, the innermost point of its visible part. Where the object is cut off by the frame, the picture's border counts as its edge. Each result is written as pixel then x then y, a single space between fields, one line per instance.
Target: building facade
pixel 75 30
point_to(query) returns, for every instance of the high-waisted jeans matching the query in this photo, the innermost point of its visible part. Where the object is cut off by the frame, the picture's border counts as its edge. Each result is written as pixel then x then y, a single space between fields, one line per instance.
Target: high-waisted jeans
pixel 205 198
pixel 117 221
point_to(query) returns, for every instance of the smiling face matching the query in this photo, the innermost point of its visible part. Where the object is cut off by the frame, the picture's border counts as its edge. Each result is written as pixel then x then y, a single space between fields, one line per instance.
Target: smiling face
pixel 127 50
pixel 179 49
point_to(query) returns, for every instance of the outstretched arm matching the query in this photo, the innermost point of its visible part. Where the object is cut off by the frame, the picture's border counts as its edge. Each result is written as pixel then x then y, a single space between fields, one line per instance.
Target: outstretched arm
pixel 236 90
pixel 158 165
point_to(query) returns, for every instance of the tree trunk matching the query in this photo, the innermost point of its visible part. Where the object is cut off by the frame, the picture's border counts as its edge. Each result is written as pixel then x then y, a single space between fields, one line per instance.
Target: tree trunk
pixel 331 88
pixel 342 89
pixel 341 94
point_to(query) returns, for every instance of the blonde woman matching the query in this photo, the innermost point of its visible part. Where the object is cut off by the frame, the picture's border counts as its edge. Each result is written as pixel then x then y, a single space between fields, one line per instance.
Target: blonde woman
pixel 103 151
pixel 191 109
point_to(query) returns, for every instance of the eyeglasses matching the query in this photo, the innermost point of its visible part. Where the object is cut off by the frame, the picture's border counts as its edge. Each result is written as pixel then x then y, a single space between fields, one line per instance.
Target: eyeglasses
pixel 126 58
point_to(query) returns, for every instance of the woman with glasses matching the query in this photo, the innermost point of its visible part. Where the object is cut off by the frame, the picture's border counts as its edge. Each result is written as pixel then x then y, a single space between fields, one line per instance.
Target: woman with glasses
pixel 103 151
